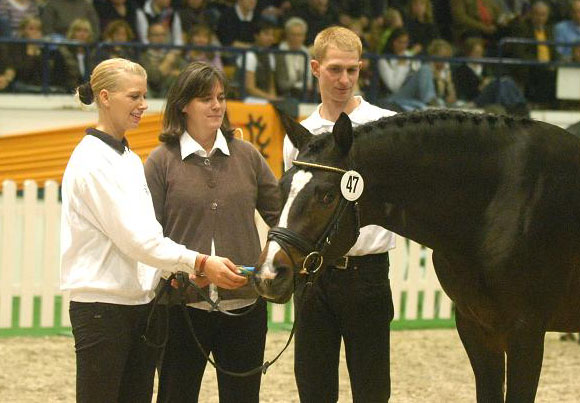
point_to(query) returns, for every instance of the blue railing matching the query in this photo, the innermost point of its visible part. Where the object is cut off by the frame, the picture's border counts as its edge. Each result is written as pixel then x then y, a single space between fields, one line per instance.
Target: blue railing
pixel 231 54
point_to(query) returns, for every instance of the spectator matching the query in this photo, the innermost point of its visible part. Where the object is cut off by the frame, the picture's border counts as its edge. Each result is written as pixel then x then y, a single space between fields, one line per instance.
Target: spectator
pixel 394 72
pixel 318 15
pixel 202 35
pixel 206 187
pixel 432 85
pixel 112 10
pixel 478 88
pixel 292 68
pixel 261 65
pixel 14 11
pixel 159 11
pixel 57 15
pixel 237 24
pixel 7 72
pixel 539 81
pixel 420 25
pixel 75 58
pixel 569 30
pixel 28 62
pixel 196 12
pixel 393 20
pixel 161 64
pixel 116 33
pixel 475 18
pixel 275 10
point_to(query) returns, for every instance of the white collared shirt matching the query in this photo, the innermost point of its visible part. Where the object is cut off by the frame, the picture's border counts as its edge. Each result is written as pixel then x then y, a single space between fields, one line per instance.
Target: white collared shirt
pixel 373 238
pixel 108 227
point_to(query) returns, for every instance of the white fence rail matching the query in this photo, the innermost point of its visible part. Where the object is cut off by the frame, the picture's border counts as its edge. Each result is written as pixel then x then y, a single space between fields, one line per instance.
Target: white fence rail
pixel 30 298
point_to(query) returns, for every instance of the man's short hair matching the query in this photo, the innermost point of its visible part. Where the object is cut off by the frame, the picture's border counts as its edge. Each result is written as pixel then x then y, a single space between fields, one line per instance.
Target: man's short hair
pixel 338 37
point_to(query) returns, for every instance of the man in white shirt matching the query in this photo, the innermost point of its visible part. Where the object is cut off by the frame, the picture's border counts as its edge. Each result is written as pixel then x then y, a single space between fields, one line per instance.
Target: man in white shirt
pixel 351 299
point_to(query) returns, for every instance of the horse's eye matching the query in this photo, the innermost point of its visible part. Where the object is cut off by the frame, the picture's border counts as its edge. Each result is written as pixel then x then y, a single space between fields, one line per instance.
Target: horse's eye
pixel 328 198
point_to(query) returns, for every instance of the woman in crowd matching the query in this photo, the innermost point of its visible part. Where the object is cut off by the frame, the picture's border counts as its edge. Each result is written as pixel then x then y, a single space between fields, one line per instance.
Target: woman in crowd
pixel 394 72
pixel 206 186
pixel 75 58
pixel 108 226
pixel 202 35
pixel 118 31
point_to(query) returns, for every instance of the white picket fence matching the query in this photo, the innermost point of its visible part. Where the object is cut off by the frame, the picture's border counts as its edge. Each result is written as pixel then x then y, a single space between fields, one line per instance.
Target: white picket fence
pixel 29 268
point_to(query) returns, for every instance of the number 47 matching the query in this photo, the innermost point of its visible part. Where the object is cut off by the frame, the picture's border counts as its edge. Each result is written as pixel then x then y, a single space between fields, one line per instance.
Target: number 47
pixel 352 183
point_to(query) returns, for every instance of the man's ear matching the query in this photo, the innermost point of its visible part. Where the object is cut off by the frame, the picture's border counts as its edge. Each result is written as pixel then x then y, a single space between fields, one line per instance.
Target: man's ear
pixel 298 134
pixel 315 67
pixel 342 132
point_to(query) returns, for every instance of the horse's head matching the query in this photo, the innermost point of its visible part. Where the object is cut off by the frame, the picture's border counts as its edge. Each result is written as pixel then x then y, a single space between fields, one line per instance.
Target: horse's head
pixel 317 224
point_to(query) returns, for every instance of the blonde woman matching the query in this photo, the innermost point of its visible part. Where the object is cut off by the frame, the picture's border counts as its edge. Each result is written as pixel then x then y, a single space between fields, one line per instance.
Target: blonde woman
pixel 108 225
pixel 75 58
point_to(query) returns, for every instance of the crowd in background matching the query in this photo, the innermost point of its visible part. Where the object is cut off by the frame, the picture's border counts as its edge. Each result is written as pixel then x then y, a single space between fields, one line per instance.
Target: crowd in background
pixel 440 28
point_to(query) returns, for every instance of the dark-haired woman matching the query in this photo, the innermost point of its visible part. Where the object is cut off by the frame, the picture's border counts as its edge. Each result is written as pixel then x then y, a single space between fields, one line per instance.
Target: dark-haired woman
pixel 206 186
pixel 108 226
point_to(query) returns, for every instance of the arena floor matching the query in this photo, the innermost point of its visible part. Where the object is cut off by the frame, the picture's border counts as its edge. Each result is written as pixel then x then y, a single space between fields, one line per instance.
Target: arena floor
pixel 426 366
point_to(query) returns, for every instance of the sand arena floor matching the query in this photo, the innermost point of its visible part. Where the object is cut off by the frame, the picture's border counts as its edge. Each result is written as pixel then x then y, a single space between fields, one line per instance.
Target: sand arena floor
pixel 426 366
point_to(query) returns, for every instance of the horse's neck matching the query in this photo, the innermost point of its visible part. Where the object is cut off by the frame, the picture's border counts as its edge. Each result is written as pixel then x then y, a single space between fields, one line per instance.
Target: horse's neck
pixel 413 184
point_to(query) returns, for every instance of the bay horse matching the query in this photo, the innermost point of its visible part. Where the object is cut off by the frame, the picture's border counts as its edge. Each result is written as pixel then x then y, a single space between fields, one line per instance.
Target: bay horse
pixel 496 198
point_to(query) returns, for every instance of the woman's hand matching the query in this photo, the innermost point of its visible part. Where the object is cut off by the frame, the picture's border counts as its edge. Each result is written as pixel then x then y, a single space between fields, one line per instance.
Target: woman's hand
pixel 223 273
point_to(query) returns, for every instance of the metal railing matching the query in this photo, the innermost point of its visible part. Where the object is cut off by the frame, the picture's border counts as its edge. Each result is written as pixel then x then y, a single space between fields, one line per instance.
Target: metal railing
pixel 232 55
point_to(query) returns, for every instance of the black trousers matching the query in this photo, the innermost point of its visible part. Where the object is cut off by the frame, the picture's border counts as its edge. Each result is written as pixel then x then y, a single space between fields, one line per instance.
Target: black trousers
pixel 236 343
pixel 354 304
pixel 113 363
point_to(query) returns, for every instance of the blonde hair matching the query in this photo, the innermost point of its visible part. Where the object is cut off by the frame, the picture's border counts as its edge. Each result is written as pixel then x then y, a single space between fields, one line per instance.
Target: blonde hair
pixel 338 37
pixel 77 24
pixel 428 9
pixel 24 23
pixel 107 75
pixel 439 45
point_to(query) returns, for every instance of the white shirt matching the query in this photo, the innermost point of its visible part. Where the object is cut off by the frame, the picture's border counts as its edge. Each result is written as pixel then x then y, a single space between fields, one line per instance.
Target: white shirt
pixel 252 61
pixel 108 226
pixel 189 146
pixel 394 73
pixel 373 238
pixel 176 30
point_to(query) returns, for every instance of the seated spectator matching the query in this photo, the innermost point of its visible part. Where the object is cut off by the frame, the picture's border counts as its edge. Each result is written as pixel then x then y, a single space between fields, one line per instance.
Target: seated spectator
pixel 57 15
pixel 14 11
pixel 202 35
pixel 116 32
pixel 318 14
pixel 159 11
pixel 275 10
pixel 291 68
pixel 476 87
pixel 75 58
pixel 7 72
pixel 568 30
pixel 112 10
pixel 394 72
pixel 539 81
pixel 161 64
pixel 393 20
pixel 261 65
pixel 420 25
pixel 237 24
pixel 432 85
pixel 27 60
pixel 475 18
pixel 195 12
pixel 356 10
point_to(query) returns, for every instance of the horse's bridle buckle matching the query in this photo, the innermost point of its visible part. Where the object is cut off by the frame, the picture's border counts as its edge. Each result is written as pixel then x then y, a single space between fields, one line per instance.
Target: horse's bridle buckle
pixel 312 263
pixel 341 263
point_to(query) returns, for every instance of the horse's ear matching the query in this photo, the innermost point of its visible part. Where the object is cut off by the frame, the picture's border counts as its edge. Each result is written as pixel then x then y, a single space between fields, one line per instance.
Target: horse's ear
pixel 342 133
pixel 298 134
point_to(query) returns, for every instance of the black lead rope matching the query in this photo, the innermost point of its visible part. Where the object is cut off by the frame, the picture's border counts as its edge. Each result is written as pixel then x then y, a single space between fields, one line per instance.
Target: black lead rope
pixel 184 280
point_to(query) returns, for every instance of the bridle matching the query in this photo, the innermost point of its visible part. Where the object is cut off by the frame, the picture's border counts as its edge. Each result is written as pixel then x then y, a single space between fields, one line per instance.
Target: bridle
pixel 315 251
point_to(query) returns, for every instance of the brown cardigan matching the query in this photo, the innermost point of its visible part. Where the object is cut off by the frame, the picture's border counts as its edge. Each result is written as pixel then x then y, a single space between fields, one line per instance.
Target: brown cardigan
pixel 198 199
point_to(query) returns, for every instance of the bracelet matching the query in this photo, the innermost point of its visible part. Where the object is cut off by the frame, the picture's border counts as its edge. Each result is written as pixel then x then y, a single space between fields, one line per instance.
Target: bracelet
pixel 202 264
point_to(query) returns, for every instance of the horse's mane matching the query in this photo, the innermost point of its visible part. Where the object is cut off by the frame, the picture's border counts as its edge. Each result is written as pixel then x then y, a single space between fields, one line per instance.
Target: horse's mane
pixel 431 118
